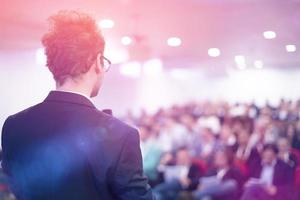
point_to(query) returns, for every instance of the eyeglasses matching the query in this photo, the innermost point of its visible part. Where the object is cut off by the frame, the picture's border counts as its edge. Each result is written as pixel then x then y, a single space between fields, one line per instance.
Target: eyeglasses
pixel 105 63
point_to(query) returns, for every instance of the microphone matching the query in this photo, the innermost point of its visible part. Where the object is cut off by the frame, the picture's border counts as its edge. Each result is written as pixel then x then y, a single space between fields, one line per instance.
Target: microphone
pixel 108 111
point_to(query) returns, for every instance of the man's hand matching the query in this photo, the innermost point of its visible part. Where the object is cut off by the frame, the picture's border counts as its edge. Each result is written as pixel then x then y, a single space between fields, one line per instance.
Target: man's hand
pixel 185 182
pixel 271 190
pixel 166 159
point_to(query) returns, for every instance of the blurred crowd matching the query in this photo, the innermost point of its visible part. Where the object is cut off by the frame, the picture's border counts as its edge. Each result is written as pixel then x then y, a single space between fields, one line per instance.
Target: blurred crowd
pixel 217 150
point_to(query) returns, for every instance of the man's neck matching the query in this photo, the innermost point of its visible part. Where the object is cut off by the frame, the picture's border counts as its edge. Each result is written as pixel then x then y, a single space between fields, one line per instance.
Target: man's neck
pixel 73 91
pixel 77 90
pixel 68 87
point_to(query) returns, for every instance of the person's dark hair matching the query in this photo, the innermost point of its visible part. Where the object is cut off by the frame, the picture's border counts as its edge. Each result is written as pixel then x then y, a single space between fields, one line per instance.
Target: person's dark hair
pixel 182 148
pixel 271 147
pixel 71 44
pixel 246 122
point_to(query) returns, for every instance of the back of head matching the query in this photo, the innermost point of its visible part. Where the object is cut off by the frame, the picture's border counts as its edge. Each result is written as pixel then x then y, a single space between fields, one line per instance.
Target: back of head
pixel 72 44
pixel 270 147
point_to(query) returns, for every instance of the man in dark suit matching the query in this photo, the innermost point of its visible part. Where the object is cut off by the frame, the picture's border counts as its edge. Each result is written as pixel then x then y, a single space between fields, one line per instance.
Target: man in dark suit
pixel 271 179
pixel 64 148
pixel 223 181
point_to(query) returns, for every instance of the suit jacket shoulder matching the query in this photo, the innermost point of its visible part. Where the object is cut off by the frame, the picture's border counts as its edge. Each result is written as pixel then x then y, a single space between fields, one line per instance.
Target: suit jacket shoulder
pixel 84 153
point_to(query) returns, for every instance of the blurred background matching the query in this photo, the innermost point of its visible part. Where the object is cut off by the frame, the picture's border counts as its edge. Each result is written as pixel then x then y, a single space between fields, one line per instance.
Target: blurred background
pixel 164 52
pixel 225 71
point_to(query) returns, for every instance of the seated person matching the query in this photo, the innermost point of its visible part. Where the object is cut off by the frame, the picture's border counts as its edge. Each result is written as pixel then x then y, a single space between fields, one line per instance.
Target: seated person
pixel 151 153
pixel 244 150
pixel 271 179
pixel 284 152
pixel 224 181
pixel 183 176
pixel 295 135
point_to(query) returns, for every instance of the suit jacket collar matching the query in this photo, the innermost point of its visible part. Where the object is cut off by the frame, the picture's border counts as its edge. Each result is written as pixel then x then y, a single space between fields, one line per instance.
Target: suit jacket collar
pixel 68 97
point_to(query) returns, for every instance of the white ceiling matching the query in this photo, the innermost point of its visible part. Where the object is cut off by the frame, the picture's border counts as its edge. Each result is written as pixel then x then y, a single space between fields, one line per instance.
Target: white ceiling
pixel 234 26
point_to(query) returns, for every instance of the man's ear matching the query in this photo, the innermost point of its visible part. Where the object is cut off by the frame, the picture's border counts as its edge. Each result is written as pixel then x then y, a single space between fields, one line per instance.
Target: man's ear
pixel 98 65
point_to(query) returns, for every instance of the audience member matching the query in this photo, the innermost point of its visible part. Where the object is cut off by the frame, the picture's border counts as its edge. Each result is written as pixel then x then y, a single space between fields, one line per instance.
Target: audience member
pixel 183 176
pixel 206 128
pixel 224 181
pixel 271 179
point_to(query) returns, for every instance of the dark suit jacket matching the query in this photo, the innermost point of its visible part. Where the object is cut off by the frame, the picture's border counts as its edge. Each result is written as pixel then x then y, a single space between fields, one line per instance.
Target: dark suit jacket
pixel 66 149
pixel 282 178
pixel 232 173
pixel 194 174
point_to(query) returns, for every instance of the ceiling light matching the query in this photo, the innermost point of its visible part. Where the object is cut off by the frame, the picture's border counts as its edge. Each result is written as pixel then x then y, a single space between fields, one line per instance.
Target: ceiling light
pixel 106 23
pixel 290 48
pixel 269 34
pixel 174 41
pixel 126 40
pixel 214 52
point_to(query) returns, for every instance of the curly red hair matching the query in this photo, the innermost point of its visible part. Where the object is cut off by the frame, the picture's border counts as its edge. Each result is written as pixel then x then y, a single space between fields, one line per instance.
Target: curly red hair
pixel 71 44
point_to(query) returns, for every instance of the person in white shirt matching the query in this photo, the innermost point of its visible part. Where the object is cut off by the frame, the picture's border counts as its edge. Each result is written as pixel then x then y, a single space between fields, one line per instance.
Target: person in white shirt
pixel 271 179
pixel 183 176
pixel 285 154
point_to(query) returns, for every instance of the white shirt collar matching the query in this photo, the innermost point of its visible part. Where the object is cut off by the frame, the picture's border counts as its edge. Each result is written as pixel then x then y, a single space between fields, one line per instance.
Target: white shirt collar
pixel 81 94
pixel 270 165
